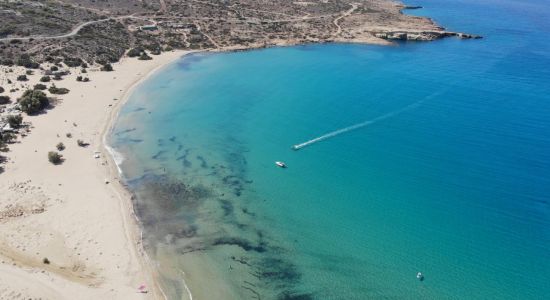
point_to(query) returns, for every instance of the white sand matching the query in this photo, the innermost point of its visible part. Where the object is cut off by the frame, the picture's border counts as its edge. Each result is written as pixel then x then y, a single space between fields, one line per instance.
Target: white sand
pixel 67 213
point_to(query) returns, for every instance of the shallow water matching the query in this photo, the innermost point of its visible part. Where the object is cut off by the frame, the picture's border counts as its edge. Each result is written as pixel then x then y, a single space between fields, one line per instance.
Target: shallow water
pixel 455 183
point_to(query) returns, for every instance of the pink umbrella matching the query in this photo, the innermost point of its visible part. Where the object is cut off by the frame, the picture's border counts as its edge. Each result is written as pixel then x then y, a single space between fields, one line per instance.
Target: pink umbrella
pixel 142 288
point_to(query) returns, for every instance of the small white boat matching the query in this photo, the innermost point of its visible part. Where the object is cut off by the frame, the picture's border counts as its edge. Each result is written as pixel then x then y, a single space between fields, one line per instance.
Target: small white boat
pixel 280 164
pixel 419 276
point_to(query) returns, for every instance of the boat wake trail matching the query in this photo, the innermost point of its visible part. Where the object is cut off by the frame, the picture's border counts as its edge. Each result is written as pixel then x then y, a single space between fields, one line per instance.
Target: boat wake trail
pixel 363 124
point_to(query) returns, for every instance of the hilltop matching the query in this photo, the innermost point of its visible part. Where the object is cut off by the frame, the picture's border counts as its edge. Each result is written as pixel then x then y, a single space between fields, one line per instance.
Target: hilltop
pixel 100 32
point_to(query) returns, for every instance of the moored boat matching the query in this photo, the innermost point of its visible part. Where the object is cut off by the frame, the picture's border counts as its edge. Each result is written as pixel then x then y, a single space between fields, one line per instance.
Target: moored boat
pixel 280 164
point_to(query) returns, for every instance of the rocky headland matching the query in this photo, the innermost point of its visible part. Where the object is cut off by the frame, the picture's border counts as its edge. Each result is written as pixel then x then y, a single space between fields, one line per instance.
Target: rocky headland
pixel 77 32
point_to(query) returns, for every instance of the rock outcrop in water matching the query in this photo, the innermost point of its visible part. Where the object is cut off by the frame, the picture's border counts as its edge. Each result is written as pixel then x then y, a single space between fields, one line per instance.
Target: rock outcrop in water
pixel 422 35
pixel 412 7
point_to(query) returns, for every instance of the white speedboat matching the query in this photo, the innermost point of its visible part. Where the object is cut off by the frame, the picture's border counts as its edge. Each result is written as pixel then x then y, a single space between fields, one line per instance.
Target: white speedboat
pixel 280 164
pixel 420 276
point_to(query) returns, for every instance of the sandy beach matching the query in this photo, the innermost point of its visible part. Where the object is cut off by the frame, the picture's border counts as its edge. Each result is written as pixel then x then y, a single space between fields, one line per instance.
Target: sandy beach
pixel 69 229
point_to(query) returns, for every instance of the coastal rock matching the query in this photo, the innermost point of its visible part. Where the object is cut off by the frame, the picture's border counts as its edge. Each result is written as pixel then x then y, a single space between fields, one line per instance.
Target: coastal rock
pixel 409 6
pixel 422 35
pixel 466 35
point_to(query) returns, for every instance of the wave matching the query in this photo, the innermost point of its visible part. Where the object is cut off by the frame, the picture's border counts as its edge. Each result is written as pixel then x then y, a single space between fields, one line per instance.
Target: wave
pixel 365 123
pixel 118 157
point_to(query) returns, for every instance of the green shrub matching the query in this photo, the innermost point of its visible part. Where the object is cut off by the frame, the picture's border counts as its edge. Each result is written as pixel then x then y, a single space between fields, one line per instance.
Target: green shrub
pixel 4 100
pixel 15 120
pixel 156 51
pixel 55 158
pixel 78 78
pixel 144 56
pixel 25 61
pixel 7 137
pixel 60 146
pixel 22 78
pixel 45 78
pixel 33 101
pixel 135 52
pixel 81 143
pixel 2 90
pixel 3 148
pixel 58 91
pixel 73 61
pixel 107 67
pixel 40 87
pixel 6 62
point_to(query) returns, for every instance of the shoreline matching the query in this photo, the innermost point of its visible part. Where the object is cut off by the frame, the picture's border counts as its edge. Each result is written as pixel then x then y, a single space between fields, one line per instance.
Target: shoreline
pixel 29 178
pixel 114 170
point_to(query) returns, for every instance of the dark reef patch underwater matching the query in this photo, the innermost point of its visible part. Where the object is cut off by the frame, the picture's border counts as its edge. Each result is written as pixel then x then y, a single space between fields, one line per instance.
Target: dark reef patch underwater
pixel 184 217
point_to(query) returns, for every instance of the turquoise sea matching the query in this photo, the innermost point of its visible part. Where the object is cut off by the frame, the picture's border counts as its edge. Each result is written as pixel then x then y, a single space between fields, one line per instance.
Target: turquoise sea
pixel 451 178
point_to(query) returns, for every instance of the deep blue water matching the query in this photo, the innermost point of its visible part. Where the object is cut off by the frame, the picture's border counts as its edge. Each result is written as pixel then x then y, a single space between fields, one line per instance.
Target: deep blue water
pixel 456 186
